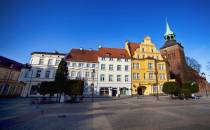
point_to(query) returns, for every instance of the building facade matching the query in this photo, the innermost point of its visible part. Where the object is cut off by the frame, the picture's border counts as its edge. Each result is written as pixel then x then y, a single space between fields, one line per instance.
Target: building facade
pixel 149 69
pixel 83 64
pixel 114 72
pixel 173 52
pixel 43 68
pixel 9 74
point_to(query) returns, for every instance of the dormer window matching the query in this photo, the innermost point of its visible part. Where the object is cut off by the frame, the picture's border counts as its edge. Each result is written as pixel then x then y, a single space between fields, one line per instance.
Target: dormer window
pixel 107 54
pixel 103 58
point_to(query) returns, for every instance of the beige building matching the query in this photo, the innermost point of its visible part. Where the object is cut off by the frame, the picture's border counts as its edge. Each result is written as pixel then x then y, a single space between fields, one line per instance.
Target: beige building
pixel 9 74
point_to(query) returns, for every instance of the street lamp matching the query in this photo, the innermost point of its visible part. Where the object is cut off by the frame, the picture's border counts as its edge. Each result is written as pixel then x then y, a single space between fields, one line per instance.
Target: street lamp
pixel 156 80
pixel 203 75
pixel 93 85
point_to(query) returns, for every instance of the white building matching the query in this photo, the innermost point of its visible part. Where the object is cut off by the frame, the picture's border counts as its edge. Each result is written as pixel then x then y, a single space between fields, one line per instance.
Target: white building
pixel 114 74
pixel 83 64
pixel 43 68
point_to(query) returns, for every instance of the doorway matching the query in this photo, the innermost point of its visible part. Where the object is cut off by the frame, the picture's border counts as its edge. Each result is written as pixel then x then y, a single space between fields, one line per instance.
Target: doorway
pixel 114 91
pixel 139 91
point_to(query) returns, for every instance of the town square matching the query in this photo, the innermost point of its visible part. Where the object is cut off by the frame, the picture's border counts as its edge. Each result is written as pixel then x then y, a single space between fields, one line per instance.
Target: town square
pixel 104 64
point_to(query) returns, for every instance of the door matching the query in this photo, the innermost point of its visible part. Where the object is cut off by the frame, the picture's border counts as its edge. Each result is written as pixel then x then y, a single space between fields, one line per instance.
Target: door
pixel 114 92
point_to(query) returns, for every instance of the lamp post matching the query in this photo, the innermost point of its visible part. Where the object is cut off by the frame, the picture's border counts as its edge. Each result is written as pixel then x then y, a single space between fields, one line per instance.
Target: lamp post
pixel 156 80
pixel 93 85
pixel 203 75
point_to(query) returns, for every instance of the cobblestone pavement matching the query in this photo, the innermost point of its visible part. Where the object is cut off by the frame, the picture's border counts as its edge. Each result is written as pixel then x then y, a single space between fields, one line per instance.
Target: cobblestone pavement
pixel 126 113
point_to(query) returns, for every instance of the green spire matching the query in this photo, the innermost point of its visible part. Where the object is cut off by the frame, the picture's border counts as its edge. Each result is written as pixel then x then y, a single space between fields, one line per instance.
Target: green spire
pixel 169 35
pixel 168 30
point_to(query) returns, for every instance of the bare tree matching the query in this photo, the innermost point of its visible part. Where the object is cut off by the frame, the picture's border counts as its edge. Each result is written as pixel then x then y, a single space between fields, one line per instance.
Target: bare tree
pixel 193 63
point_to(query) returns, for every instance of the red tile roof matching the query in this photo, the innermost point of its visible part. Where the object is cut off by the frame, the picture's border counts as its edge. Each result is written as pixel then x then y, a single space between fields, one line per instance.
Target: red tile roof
pixel 132 47
pixel 10 64
pixel 113 52
pixel 82 55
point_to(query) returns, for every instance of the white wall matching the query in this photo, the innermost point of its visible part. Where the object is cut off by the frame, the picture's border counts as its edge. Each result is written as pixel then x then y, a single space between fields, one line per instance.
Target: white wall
pixel 83 69
pixel 107 72
pixel 31 78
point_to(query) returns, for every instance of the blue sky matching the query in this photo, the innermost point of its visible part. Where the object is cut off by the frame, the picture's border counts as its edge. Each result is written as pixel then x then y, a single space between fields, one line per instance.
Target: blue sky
pixel 48 25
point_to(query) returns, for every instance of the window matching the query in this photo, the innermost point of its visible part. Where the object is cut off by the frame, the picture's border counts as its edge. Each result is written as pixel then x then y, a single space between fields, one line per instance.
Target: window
pixel 142 49
pixel 47 74
pixel 88 65
pixel 104 91
pixel 102 78
pixel 111 59
pixel 93 65
pixel 80 64
pixel 161 67
pixel 79 74
pixel 110 78
pixel 87 74
pixel 74 64
pixel 123 91
pixel 143 56
pixel 118 78
pixel 152 50
pixel 144 76
pixel 136 65
pixel 162 76
pixel 73 74
pixel 134 76
pixel 137 56
pixel 92 75
pixel 38 73
pixel 118 67
pixel 118 59
pixel 150 65
pixel 41 61
pixel 57 62
pixel 50 62
pixel 103 58
pixel 138 76
pixel 126 68
pixel 110 67
pixel 150 75
pixel 102 66
pixel 126 60
pixel 126 78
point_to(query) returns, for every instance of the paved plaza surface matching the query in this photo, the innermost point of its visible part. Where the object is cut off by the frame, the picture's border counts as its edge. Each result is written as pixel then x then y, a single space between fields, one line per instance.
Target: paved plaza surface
pixel 126 113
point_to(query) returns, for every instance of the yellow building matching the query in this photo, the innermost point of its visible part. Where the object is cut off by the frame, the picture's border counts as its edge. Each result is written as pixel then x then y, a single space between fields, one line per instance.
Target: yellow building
pixel 147 64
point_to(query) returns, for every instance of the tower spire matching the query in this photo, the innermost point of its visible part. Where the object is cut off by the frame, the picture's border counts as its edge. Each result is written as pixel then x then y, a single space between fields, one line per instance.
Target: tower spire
pixel 169 35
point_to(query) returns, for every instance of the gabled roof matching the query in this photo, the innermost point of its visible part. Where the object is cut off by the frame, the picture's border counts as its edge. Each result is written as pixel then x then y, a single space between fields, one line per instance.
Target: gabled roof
pixel 132 47
pixel 113 52
pixel 10 64
pixel 82 55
